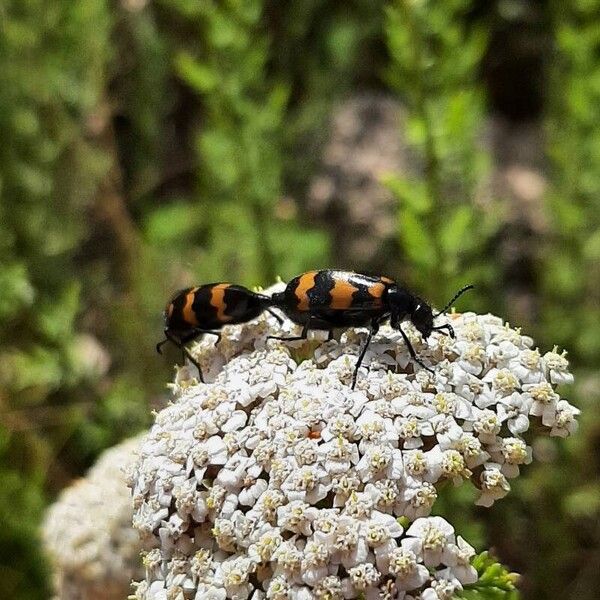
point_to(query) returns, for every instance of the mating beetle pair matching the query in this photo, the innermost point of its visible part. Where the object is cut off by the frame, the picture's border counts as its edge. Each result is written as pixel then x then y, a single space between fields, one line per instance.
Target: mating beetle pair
pixel 322 300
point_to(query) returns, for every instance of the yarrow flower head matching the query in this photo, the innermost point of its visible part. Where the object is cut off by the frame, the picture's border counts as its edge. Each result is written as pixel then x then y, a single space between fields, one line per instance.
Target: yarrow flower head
pixel 277 480
pixel 87 533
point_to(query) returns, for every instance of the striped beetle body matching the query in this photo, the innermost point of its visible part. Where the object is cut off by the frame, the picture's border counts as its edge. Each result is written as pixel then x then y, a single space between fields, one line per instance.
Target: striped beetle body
pixel 328 299
pixel 206 309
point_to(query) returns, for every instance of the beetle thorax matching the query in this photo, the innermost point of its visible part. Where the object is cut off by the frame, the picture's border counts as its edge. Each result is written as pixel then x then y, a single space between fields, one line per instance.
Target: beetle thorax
pixel 400 301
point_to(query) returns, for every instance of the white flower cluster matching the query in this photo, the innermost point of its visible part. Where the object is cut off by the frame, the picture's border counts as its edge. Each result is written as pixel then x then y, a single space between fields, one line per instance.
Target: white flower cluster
pixel 278 481
pixel 87 533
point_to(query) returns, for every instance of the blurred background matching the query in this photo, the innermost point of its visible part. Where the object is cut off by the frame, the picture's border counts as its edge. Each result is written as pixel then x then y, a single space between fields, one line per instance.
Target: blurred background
pixel 147 145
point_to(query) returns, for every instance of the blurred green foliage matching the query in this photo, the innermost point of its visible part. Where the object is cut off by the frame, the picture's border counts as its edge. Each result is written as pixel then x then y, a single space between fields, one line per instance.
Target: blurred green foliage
pixel 151 145
pixel 51 73
pixel 240 147
pixel 572 273
pixel 434 65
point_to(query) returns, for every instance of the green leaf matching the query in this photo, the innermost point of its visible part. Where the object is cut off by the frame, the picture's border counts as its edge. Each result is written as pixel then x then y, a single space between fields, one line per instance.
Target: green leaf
pixel 563 274
pixel 416 240
pixel 342 42
pixel 584 502
pixel 224 32
pixel 277 101
pixel 55 316
pixel 455 229
pixel 410 192
pixel 495 582
pixel 173 224
pixel 311 247
pixel 591 248
pixel 199 76
pixel 39 368
pixel 16 292
pixel 222 156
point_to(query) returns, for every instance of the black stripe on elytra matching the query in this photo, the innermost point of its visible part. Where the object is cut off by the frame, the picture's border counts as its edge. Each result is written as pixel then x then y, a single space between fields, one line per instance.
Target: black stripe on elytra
pixel 319 294
pixel 176 320
pixel 231 299
pixel 362 295
pixel 237 300
pixel 202 307
pixel 179 301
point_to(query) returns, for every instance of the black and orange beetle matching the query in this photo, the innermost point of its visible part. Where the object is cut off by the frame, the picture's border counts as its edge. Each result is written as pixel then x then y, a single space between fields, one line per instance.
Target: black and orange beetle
pixel 206 309
pixel 328 299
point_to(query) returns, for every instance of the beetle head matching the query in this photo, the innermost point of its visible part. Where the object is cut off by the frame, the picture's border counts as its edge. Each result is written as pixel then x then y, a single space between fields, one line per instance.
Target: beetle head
pixel 422 317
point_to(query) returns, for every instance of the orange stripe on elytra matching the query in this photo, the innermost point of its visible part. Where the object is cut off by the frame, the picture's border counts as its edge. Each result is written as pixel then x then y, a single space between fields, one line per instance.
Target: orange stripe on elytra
pixel 189 315
pixel 305 283
pixel 376 292
pixel 217 299
pixel 341 294
pixel 386 279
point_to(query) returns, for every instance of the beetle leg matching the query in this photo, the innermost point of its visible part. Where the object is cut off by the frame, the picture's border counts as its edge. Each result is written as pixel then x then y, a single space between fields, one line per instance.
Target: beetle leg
pixel 188 354
pixel 168 338
pixel 287 339
pixel 412 352
pixel 274 314
pixel 161 344
pixel 448 327
pixel 372 331
pixel 180 343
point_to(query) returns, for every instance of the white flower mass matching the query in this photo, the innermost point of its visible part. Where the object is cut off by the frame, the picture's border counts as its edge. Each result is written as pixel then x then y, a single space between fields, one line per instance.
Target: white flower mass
pixel 277 480
pixel 87 533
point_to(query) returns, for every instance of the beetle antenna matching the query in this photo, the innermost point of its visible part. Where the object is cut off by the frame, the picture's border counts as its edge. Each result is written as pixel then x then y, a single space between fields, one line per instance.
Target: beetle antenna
pixel 160 345
pixel 454 299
